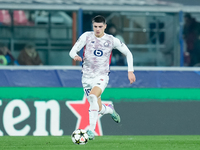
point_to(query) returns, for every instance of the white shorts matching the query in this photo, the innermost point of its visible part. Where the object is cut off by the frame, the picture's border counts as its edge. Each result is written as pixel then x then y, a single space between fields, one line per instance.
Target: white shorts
pixel 89 83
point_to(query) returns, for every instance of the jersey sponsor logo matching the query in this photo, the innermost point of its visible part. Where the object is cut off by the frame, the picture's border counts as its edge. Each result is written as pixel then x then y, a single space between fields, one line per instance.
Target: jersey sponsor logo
pixel 98 53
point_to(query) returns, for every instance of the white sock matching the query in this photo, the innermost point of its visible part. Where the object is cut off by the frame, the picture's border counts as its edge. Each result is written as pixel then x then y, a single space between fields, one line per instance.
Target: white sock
pixel 93 111
pixel 105 110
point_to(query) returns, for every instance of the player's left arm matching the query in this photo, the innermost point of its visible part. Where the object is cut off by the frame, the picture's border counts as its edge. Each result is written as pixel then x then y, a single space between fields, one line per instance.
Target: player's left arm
pixel 129 57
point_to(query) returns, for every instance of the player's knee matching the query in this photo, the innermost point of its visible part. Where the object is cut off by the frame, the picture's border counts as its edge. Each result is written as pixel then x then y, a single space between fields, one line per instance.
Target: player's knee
pixel 92 98
pixel 93 102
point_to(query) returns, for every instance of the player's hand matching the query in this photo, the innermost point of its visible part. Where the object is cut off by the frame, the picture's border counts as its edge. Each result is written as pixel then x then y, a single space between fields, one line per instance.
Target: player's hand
pixel 131 77
pixel 77 58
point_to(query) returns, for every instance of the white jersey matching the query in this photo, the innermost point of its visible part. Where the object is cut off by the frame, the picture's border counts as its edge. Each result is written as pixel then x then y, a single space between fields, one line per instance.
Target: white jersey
pixel 97 53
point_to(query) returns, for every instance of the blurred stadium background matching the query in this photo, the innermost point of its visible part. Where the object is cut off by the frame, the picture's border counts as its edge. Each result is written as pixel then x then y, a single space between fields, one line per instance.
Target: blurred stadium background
pixel 151 28
pixel 163 101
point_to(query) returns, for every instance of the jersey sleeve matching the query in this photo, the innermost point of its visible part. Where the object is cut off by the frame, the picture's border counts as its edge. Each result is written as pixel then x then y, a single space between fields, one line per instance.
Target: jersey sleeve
pixel 124 50
pixel 80 43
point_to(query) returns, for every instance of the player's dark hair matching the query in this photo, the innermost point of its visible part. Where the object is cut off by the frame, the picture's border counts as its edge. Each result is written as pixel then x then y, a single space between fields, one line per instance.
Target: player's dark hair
pixel 99 19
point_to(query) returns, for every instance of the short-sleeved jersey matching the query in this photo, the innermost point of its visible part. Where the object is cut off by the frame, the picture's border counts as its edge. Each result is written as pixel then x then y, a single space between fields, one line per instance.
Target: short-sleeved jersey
pixel 97 53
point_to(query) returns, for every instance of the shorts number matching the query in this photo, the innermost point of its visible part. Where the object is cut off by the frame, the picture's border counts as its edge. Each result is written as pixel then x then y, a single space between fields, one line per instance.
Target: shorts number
pixel 87 91
pixel 98 53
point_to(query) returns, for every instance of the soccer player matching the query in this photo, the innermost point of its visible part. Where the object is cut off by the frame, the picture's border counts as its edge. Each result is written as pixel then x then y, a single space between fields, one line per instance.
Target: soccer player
pixel 95 71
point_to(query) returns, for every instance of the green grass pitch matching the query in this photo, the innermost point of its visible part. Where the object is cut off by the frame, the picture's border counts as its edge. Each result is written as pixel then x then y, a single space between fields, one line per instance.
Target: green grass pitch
pixel 101 143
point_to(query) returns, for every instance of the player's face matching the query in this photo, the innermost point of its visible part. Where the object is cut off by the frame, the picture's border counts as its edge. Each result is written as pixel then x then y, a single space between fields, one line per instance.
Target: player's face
pixel 99 29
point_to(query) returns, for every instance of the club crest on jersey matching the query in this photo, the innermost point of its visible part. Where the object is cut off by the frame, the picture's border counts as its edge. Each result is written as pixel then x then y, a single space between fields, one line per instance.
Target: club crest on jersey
pixel 106 44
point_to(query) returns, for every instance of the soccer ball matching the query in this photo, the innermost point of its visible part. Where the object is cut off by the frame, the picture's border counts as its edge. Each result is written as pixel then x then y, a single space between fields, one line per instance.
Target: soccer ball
pixel 79 137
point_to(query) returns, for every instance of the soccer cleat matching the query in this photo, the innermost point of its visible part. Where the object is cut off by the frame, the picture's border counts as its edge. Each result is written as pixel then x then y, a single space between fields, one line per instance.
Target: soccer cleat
pixel 90 135
pixel 115 116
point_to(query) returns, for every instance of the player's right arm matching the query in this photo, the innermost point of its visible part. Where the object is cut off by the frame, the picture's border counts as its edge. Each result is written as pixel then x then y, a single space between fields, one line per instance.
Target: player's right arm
pixel 80 43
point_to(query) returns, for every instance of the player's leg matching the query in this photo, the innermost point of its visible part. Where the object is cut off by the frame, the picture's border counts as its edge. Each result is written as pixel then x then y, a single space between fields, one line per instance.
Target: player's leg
pixel 103 109
pixel 86 82
pixel 93 110
pixel 94 106
pixel 102 82
pixel 98 85
pixel 109 110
